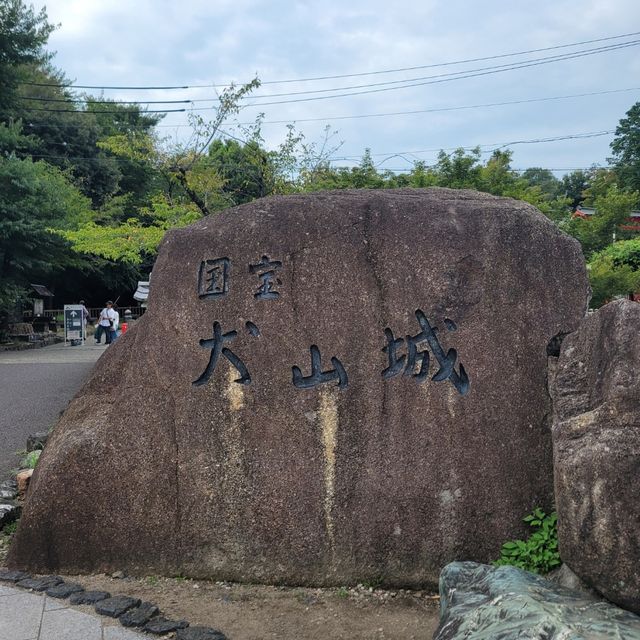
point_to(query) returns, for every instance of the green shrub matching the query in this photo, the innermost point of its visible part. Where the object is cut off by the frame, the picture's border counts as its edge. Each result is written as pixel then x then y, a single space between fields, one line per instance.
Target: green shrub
pixel 31 459
pixel 10 528
pixel 539 552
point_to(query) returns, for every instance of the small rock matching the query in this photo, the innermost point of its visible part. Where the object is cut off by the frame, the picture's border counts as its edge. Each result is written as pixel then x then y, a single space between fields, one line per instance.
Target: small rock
pixel 40 584
pixel 200 633
pixel 37 440
pixel 64 590
pixel 8 494
pixel 118 575
pixel 23 479
pixel 9 513
pixel 9 484
pixel 13 576
pixel 89 597
pixel 116 606
pixel 162 625
pixel 139 616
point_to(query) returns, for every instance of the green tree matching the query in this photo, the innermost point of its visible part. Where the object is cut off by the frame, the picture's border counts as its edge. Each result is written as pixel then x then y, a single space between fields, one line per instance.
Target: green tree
pixel 626 149
pixel 246 170
pixel 615 271
pixel 573 186
pixel 458 170
pixel 23 36
pixel 543 178
pixel 34 199
pixel 613 206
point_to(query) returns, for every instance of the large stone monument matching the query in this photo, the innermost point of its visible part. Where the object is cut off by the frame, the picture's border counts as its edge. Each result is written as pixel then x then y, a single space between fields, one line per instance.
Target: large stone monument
pixel 596 436
pixel 325 389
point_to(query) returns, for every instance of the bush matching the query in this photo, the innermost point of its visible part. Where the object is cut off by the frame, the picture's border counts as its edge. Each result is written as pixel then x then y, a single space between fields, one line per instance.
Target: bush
pixel 31 459
pixel 539 552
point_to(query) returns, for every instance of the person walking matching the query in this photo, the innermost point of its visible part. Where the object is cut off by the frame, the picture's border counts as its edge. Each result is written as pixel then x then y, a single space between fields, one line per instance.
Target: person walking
pixel 115 326
pixel 105 322
pixel 85 319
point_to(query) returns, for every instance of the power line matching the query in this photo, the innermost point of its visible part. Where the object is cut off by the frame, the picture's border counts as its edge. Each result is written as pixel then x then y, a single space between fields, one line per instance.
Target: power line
pixel 87 112
pixel 494 146
pixel 446 64
pixel 348 75
pixel 439 80
pixel 573 136
pixel 85 86
pixel 440 109
pixel 395 113
pixel 93 101
pixel 452 75
pixel 350 117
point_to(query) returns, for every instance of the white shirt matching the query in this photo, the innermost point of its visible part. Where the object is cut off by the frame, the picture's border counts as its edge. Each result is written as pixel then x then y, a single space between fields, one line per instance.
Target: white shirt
pixel 116 322
pixel 105 315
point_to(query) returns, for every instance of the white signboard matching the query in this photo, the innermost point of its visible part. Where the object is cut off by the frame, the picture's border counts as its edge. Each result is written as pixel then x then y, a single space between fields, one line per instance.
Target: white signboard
pixel 74 328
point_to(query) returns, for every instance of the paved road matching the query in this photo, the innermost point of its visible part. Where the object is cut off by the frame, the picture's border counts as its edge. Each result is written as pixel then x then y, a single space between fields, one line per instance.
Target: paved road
pixel 26 615
pixel 35 387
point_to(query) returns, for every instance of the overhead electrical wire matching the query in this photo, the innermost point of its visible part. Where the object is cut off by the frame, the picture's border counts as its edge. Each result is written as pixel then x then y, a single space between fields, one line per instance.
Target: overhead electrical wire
pixel 92 112
pixel 430 82
pixel 94 101
pixel 453 75
pixel 347 75
pixel 388 113
pixel 412 82
pixel 440 109
pixel 495 145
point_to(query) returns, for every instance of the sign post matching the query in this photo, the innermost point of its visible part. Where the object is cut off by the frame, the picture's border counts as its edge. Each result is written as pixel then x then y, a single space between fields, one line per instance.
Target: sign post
pixel 74 328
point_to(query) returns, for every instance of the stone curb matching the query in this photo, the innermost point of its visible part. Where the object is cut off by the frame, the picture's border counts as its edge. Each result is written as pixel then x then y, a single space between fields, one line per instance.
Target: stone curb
pixel 24 346
pixel 131 612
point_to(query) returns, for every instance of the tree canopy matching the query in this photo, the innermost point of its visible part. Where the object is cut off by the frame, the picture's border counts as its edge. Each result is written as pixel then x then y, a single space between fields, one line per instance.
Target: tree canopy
pixel 88 186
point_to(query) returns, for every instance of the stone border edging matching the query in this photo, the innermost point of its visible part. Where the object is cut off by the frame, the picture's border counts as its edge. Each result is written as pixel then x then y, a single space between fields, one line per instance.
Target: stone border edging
pixel 131 612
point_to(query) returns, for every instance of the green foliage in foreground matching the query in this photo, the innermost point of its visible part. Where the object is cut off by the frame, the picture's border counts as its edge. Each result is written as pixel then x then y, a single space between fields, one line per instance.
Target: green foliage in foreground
pixel 615 271
pixel 31 459
pixel 539 552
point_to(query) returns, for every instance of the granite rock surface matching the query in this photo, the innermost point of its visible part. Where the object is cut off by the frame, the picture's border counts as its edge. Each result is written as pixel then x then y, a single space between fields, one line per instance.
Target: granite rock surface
pixel 325 389
pixel 596 435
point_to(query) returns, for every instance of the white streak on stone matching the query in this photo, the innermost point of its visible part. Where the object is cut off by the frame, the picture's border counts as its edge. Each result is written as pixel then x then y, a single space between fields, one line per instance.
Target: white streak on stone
pixel 328 413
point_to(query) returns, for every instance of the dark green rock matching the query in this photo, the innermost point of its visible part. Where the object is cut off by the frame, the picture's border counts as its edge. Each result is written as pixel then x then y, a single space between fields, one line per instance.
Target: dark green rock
pixel 480 602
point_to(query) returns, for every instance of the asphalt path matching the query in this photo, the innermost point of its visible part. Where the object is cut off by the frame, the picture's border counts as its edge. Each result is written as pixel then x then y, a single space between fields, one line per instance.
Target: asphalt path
pixel 36 385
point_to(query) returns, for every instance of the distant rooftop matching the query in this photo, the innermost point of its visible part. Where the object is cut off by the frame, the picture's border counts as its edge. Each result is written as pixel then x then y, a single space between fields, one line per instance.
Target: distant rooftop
pixel 41 290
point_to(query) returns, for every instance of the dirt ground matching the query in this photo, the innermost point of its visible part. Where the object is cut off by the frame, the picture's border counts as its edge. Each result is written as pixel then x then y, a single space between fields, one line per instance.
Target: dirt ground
pixel 258 612
pixel 255 612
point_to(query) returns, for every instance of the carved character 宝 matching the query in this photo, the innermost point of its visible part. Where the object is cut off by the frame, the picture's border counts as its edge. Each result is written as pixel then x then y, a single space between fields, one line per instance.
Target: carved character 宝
pixel 266 270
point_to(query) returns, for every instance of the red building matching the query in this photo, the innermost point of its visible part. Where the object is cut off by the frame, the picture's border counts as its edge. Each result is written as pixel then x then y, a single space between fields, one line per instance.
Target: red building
pixel 633 221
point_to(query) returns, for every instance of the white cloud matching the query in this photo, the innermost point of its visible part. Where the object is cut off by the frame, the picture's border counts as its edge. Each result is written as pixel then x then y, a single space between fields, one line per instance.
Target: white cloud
pixel 120 42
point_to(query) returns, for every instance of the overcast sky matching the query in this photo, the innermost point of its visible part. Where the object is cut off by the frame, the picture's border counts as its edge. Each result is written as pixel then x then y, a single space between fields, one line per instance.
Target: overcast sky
pixel 213 42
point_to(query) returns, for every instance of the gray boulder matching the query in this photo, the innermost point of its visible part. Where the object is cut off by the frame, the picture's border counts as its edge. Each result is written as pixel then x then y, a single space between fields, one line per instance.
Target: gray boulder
pixel 478 602
pixel 596 436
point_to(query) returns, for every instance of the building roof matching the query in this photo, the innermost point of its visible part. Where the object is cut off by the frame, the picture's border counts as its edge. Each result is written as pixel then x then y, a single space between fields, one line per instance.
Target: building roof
pixel 41 290
pixel 584 212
